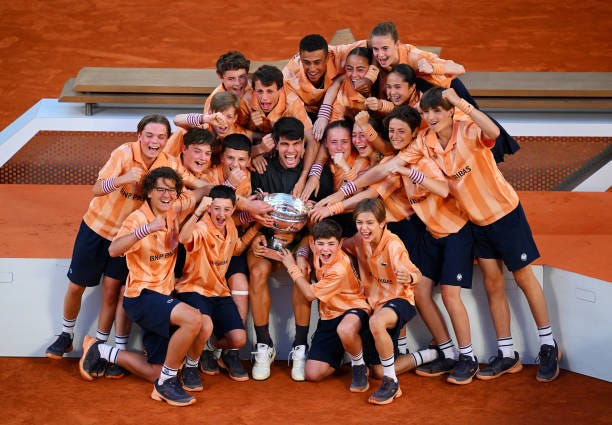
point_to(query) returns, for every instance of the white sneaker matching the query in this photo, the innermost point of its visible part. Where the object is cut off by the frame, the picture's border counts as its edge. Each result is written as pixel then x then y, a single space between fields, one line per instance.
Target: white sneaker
pixel 298 357
pixel 264 356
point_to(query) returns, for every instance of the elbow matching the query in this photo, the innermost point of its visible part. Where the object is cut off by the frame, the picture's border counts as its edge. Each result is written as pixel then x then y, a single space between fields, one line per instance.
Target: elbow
pixel 113 251
pixel 444 192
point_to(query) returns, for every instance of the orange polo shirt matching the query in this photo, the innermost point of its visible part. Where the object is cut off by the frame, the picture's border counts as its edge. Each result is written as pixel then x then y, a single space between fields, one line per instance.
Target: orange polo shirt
pixel 288 105
pixel 356 163
pixel 378 268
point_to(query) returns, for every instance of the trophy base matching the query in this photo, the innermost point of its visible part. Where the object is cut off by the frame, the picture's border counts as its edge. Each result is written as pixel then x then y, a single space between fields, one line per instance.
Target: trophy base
pixel 280 240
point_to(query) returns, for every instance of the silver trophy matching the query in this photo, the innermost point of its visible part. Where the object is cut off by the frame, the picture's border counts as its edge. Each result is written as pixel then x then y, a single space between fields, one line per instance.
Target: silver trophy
pixel 290 216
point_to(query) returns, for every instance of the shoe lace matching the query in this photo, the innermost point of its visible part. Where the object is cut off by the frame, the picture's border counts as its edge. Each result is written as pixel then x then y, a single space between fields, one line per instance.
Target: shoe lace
pixel 545 355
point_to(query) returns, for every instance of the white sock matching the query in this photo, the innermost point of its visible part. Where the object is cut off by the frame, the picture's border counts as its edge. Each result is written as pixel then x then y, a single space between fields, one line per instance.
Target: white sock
pixel 467 351
pixel 209 345
pixel 424 356
pixel 102 336
pixel 68 326
pixel 449 350
pixel 121 341
pixel 402 344
pixel 546 336
pixel 108 352
pixel 166 373
pixel 357 360
pixel 388 365
pixel 506 346
pixel 189 362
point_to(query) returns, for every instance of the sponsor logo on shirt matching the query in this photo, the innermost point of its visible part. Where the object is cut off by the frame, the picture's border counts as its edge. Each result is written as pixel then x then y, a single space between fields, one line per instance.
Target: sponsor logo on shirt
pixel 459 174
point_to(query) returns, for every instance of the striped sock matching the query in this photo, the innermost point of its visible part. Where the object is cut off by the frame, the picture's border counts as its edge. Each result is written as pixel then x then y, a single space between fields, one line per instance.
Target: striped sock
pixel 209 345
pixel 546 336
pixel 166 373
pixel 402 344
pixel 68 326
pixel 424 356
pixel 449 350
pixel 102 336
pixel 121 341
pixel 467 351
pixel 108 352
pixel 189 362
pixel 388 365
pixel 357 360
pixel 506 346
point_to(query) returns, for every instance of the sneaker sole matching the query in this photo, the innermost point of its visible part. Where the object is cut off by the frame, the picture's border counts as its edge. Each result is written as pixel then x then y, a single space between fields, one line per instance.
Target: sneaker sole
pixel 57 356
pixel 210 372
pixel 516 368
pixel 114 376
pixel 456 381
pixel 359 390
pixel 261 377
pixel 88 341
pixel 157 396
pixel 398 394
pixel 431 375
pixel 223 366
pixel 193 390
pixel 540 379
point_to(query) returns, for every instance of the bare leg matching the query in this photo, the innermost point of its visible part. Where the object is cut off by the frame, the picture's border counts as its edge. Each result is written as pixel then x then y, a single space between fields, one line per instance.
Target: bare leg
pixel 189 321
pixel 429 311
pixel 110 294
pixel 239 286
pixel 72 300
pixel 259 293
pixel 498 303
pixel 530 286
pixel 316 370
pixel 451 295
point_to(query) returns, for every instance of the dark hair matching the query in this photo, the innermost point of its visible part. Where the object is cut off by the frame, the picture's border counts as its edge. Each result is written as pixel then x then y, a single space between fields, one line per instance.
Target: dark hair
pixel 313 42
pixel 154 118
pixel 236 141
pixel 432 98
pixel 385 28
pixel 404 71
pixel 344 123
pixel 223 100
pixel 199 136
pixel 373 205
pixel 150 180
pixel 404 113
pixel 268 75
pixel 288 127
pixel 326 228
pixel 364 52
pixel 224 192
pixel 232 61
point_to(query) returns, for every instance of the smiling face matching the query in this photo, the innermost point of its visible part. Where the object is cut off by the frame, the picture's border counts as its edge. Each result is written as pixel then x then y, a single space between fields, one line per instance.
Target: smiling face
pixel 290 152
pixel 315 65
pixel 162 195
pixel 231 116
pixel 232 159
pixel 369 227
pixel 398 90
pixel 326 249
pixel 438 118
pixel 152 139
pixel 235 81
pixel 360 141
pixel 400 134
pixel 356 68
pixel 267 96
pixel 196 158
pixel 338 140
pixel 221 210
pixel 386 51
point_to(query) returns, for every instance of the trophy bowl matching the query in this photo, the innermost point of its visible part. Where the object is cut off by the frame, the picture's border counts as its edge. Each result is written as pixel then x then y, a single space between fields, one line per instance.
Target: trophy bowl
pixel 290 216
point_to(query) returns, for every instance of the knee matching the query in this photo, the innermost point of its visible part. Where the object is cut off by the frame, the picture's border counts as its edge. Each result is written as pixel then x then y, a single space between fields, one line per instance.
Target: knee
pixel 313 374
pixel 75 290
pixel 259 278
pixel 237 339
pixel 377 326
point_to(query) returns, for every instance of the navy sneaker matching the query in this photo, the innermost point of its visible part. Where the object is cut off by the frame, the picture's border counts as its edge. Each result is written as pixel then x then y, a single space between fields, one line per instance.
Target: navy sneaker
pixel 114 371
pixel 499 365
pixel 438 367
pixel 208 363
pixel 230 360
pixel 387 392
pixel 191 379
pixel 360 379
pixel 62 345
pixel 172 393
pixel 465 370
pixel 548 360
pixel 91 365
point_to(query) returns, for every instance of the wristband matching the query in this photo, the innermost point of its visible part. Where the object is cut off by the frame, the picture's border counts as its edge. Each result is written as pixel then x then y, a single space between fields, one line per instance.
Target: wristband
pixel 348 189
pixel 194 120
pixel 245 217
pixel 303 252
pixel 316 170
pixel 142 232
pixel 325 111
pixel 108 185
pixel 465 107
pixel 416 176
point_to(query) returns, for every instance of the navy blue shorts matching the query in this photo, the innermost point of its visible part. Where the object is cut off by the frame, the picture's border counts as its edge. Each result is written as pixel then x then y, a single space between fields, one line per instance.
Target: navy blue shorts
pixel 405 312
pixel 90 259
pixel 326 345
pixel 448 260
pixel 509 239
pixel 222 311
pixel 238 264
pixel 409 231
pixel 151 311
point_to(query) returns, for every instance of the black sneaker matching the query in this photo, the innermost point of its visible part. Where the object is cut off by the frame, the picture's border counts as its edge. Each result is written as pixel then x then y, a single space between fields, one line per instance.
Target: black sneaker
pixel 230 360
pixel 464 371
pixel 172 393
pixel 388 390
pixel 548 360
pixel 208 363
pixel 114 371
pixel 91 365
pixel 438 367
pixel 191 379
pixel 360 379
pixel 498 365
pixel 62 345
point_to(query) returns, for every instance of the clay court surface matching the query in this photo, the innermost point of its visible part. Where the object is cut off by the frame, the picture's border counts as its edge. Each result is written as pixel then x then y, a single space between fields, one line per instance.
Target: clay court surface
pixel 42 44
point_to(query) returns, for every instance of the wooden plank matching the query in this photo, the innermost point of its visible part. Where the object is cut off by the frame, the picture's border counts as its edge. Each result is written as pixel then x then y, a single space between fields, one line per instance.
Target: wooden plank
pixel 550 103
pixel 280 64
pixel 342 36
pixel 146 80
pixel 539 84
